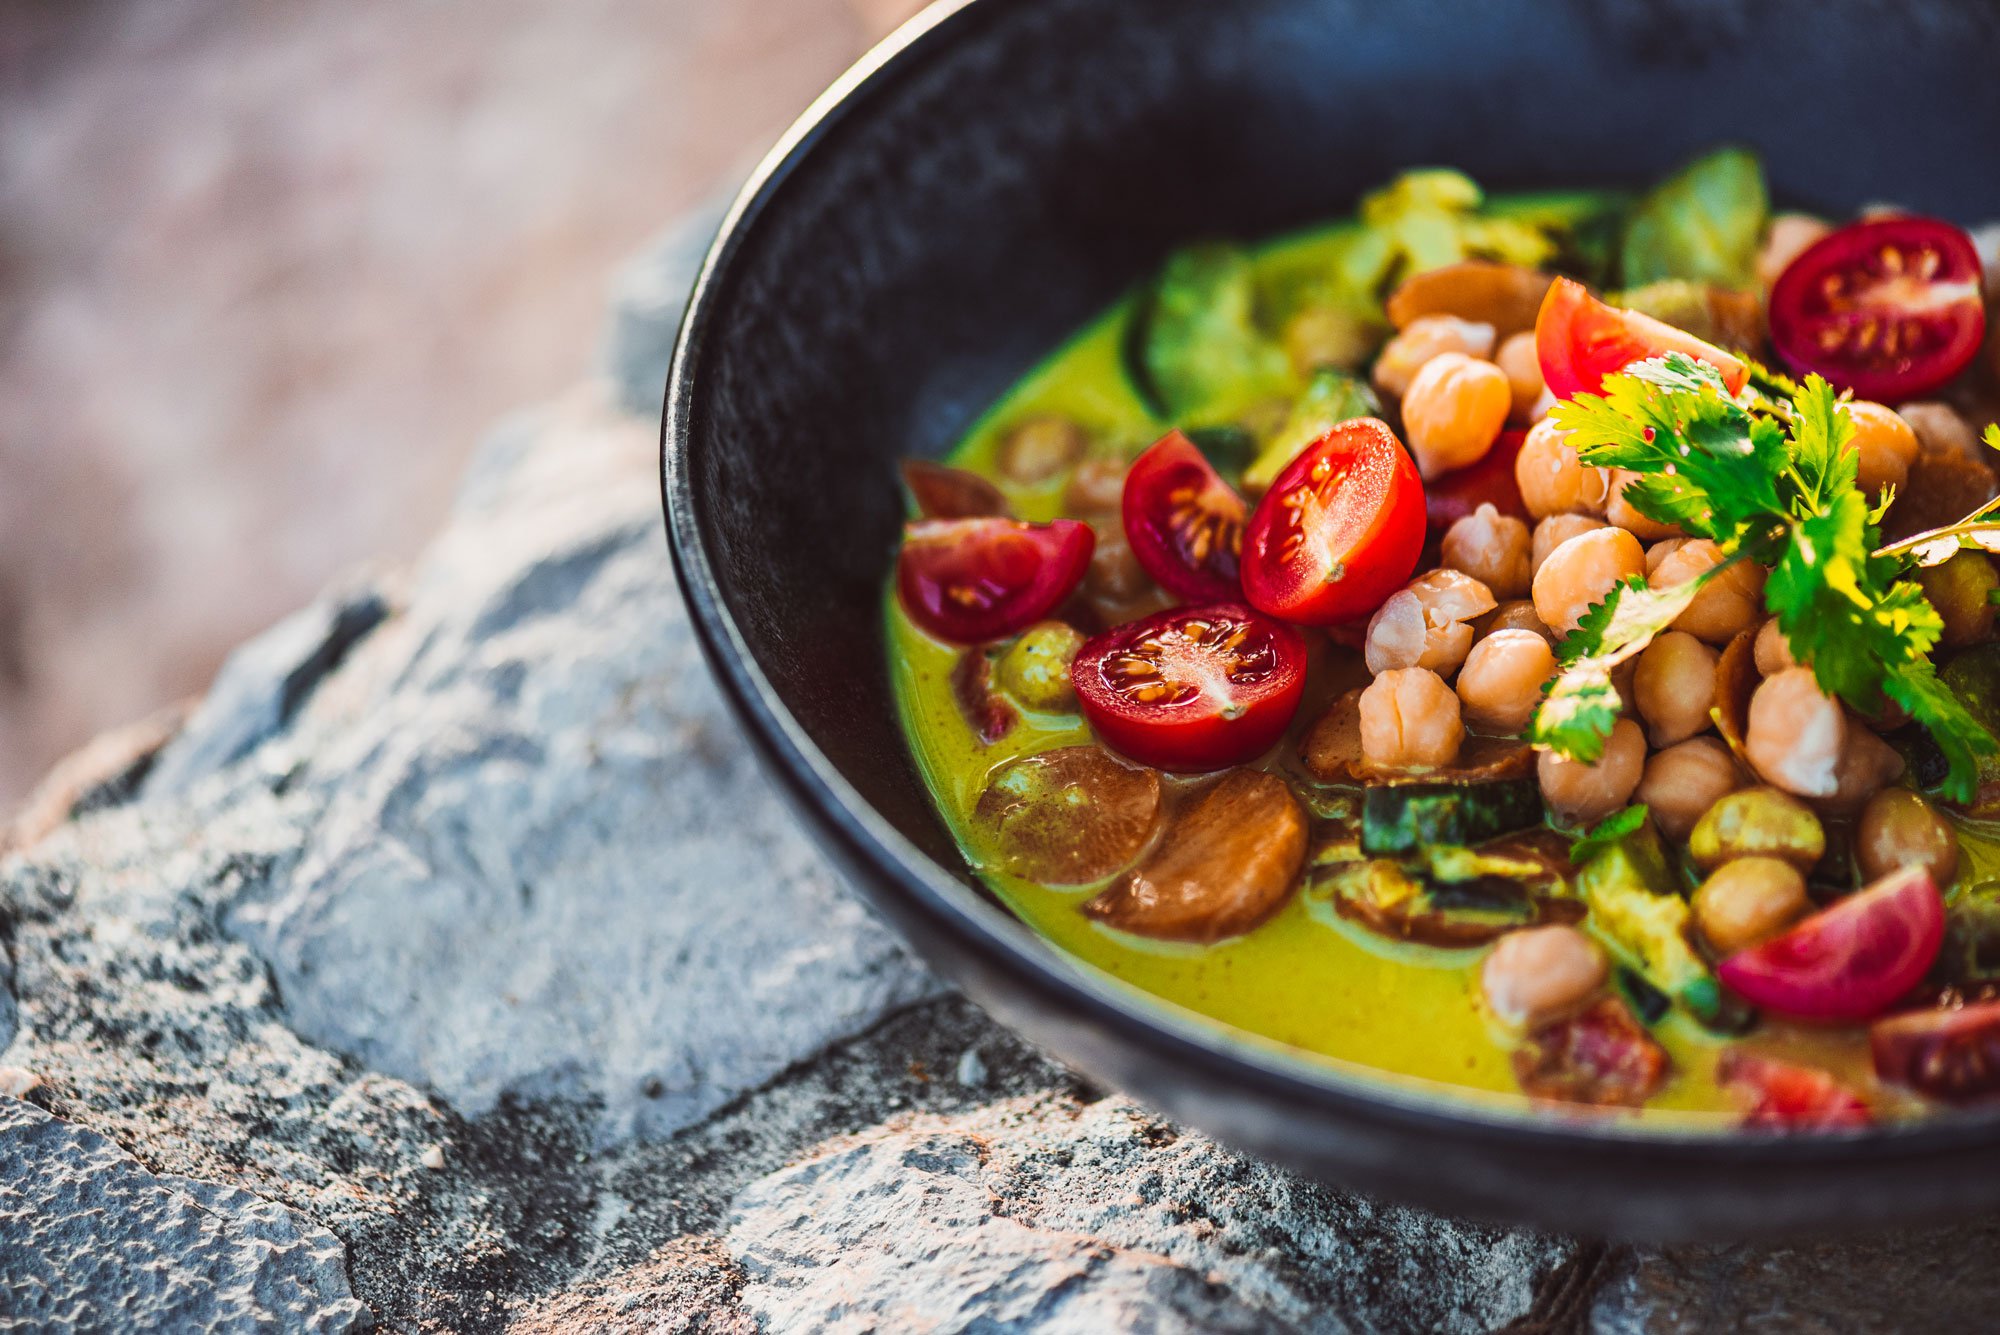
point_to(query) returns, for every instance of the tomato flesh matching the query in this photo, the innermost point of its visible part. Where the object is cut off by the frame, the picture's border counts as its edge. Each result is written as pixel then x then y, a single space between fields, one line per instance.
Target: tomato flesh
pixel 1581 340
pixel 974 580
pixel 1849 962
pixel 1889 308
pixel 1192 688
pixel 1603 1057
pixel 1947 1054
pixel 1455 495
pixel 1184 522
pixel 1340 529
pixel 1781 1096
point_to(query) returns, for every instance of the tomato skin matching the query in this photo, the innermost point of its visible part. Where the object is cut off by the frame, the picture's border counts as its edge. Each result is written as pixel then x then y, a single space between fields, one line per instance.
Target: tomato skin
pixel 1780 1096
pixel 974 580
pixel 1455 495
pixel 1601 1057
pixel 1890 308
pixel 1952 1055
pixel 1581 340
pixel 1851 961
pixel 1339 531
pixel 1226 683
pixel 1184 522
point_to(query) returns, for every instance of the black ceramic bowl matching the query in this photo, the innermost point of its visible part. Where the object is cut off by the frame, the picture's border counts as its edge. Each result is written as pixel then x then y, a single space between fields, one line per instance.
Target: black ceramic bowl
pixel 1000 171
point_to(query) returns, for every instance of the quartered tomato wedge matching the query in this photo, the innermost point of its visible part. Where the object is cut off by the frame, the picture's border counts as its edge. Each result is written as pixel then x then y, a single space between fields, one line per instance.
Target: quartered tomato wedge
pixel 1947 1054
pixel 1889 308
pixel 1340 529
pixel 1783 1097
pixel 1455 495
pixel 1580 341
pixel 1185 524
pixel 1848 962
pixel 1192 688
pixel 974 580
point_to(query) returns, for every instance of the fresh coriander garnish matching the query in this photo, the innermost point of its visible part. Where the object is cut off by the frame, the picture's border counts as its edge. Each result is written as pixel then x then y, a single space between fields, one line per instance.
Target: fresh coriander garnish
pixel 1769 478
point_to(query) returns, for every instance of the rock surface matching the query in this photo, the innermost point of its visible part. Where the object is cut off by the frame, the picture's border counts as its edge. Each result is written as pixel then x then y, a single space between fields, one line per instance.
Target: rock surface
pixel 451 965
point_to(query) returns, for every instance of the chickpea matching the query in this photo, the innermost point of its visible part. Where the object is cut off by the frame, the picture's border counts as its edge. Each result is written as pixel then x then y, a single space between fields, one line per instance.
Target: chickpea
pixel 1522 364
pixel 1796 735
pixel 1659 552
pixel 1772 650
pixel 1114 573
pixel 1682 782
pixel 1899 829
pixel 1501 682
pixel 1553 481
pixel 1675 687
pixel 1038 448
pixel 1035 668
pixel 1454 411
pixel 1515 614
pixel 1544 405
pixel 1867 765
pixel 1541 974
pixel 1327 336
pixel 1733 601
pixel 1961 590
pixel 1553 532
pixel 1885 446
pixel 1757 823
pixel 1749 901
pixel 1426 337
pixel 1096 488
pixel 1941 430
pixel 1579 573
pixel 1787 238
pixel 1492 548
pixel 1581 793
pixel 1617 510
pixel 1409 719
pixel 1425 624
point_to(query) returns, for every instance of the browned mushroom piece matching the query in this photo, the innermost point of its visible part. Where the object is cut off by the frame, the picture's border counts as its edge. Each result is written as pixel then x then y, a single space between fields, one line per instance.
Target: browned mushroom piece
pixel 1505 296
pixel 944 492
pixel 1943 487
pixel 1332 754
pixel 1736 680
pixel 1227 863
pixel 1602 1057
pixel 1070 816
pixel 984 709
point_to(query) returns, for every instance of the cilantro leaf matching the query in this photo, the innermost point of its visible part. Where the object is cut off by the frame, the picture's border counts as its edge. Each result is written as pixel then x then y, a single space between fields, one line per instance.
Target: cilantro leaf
pixel 1608 832
pixel 1582 704
pixel 1822 430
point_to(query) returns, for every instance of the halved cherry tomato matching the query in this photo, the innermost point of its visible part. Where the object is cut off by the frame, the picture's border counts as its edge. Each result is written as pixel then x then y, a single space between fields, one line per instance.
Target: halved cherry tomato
pixel 1192 688
pixel 1947 1054
pixel 1184 523
pixel 1452 497
pixel 1580 341
pixel 1601 1056
pixel 1848 962
pixel 1340 529
pixel 974 580
pixel 1889 308
pixel 1783 1097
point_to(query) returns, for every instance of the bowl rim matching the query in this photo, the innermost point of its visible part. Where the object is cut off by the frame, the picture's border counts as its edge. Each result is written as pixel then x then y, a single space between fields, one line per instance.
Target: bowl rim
pixel 866 841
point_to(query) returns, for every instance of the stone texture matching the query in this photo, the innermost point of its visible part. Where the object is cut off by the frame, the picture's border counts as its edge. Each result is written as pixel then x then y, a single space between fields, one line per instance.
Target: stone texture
pixel 91 1241
pixel 650 295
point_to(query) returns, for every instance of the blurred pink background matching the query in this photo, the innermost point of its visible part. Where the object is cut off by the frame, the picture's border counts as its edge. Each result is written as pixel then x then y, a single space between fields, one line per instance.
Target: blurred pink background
pixel 268 269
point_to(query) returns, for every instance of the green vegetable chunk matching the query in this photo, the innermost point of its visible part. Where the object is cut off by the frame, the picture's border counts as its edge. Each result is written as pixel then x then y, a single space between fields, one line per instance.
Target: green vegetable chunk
pixel 1406 818
pixel 1331 398
pixel 1194 349
pixel 1701 224
pixel 1635 904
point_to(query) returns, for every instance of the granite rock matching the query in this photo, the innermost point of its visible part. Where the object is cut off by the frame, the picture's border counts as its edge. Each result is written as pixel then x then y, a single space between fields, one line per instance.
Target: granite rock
pixel 648 299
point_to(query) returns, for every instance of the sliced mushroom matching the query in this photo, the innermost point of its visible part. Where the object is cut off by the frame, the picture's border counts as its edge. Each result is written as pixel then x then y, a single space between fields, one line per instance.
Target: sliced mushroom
pixel 1736 680
pixel 1942 488
pixel 1227 863
pixel 944 492
pixel 1505 296
pixel 1070 816
pixel 1332 753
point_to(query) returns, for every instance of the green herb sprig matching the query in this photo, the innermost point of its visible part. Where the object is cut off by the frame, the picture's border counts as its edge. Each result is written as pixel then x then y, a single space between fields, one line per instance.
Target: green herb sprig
pixel 1768 479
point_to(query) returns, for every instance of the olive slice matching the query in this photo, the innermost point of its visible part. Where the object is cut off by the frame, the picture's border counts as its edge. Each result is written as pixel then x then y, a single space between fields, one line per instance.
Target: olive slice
pixel 1070 816
pixel 1505 296
pixel 944 492
pixel 1332 754
pixel 1227 863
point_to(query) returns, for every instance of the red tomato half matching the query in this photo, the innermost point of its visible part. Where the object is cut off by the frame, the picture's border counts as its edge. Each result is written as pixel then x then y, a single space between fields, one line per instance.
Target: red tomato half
pixel 1184 523
pixel 1889 308
pixel 1952 1055
pixel 1784 1097
pixel 1848 962
pixel 1580 341
pixel 1192 688
pixel 1452 497
pixel 1340 529
pixel 974 580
